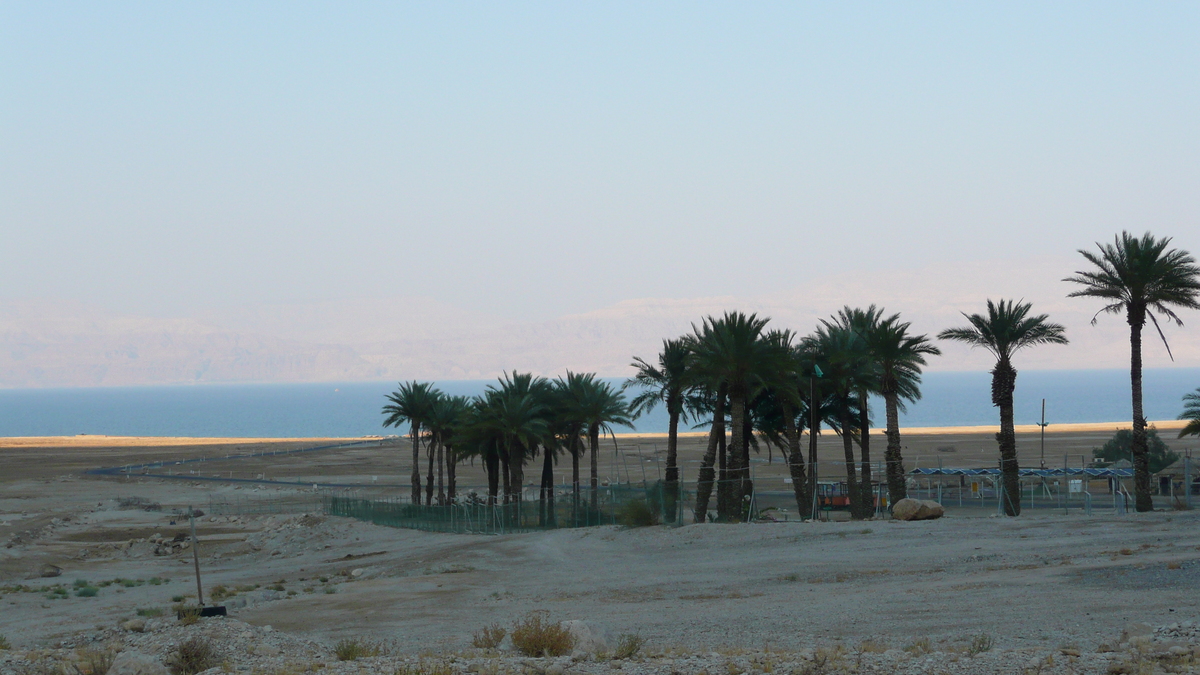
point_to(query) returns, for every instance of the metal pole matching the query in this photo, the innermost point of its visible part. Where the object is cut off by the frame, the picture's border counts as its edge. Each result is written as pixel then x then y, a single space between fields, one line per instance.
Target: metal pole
pixel 1043 426
pixel 196 556
pixel 1187 480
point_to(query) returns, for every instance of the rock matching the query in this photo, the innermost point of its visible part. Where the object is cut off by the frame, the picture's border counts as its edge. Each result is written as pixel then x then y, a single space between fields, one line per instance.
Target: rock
pixel 589 638
pixel 1138 629
pixel 1067 651
pixel 50 571
pixel 134 626
pixel 555 669
pixel 134 663
pixel 917 509
pixel 357 573
pixel 1179 650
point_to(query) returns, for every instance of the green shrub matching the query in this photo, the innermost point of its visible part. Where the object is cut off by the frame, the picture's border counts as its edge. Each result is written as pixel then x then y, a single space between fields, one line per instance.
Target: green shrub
pixel 81 583
pixel 150 612
pixel 87 591
pixel 4 643
pixel 636 513
pixel 536 635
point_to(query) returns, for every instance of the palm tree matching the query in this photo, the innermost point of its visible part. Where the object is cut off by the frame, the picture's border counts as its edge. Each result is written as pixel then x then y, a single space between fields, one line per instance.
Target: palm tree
pixel 1191 413
pixel 1005 330
pixel 709 399
pixel 665 383
pixel 445 423
pixel 602 406
pixel 1140 277
pixel 733 350
pixel 521 407
pixel 411 404
pixel 571 397
pixel 900 357
pixel 866 380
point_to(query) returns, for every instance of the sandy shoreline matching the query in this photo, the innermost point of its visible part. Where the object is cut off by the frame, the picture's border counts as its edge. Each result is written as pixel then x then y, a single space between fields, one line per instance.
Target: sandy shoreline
pixel 152 441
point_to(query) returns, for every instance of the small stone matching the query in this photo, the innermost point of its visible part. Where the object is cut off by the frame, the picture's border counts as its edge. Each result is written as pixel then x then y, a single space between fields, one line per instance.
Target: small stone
pixel 357 573
pixel 555 669
pixel 50 571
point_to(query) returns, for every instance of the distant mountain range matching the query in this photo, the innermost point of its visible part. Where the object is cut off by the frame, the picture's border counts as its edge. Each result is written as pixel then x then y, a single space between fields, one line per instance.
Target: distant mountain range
pixel 64 344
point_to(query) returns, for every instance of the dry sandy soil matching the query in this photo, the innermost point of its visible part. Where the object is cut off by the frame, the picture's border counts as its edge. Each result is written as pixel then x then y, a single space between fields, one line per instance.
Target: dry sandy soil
pixel 1044 581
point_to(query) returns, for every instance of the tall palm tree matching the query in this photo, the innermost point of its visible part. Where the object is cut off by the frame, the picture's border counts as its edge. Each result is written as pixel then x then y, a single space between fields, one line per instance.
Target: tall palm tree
pixel 900 357
pixel 571 397
pixel 866 380
pixel 1005 330
pixel 665 383
pixel 709 399
pixel 522 406
pixel 446 420
pixel 411 404
pixel 602 406
pixel 847 370
pixel 1140 276
pixel 733 350
pixel 1191 413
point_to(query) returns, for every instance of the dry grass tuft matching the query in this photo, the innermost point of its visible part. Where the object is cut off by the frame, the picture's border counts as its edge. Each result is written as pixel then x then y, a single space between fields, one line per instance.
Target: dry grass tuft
pixel 872 647
pixel 350 649
pixel 94 662
pixel 979 644
pixel 919 647
pixel 489 637
pixel 1174 565
pixel 536 635
pixel 193 656
pixel 628 645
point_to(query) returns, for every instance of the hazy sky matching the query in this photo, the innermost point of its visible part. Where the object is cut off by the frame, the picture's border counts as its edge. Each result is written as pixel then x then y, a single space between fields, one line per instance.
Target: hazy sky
pixel 540 159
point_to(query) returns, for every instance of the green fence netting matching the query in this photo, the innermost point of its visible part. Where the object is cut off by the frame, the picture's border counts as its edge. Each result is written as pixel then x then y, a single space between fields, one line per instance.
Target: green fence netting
pixel 613 505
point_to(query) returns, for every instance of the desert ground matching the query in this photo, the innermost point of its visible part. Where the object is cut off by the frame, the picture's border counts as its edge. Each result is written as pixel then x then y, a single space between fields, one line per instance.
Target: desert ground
pixel 1047 592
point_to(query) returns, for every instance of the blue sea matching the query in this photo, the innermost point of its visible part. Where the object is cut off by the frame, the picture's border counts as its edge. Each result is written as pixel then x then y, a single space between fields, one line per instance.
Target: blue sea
pixel 353 409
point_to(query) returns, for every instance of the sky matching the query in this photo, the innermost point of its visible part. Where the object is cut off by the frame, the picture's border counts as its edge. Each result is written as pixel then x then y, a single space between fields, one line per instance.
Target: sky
pixel 532 160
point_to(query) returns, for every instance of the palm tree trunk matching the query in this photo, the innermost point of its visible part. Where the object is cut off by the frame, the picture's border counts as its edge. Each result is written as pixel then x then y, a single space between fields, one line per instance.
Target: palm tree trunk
pixel 506 474
pixel 716 436
pixel 671 488
pixel 594 447
pixel 547 495
pixel 575 450
pixel 416 472
pixel 866 491
pixel 795 458
pixel 1140 452
pixel 732 484
pixel 441 465
pixel 451 475
pixel 897 488
pixel 746 487
pixel 722 474
pixel 429 451
pixel 1004 382
pixel 491 459
pixel 851 472
pixel 814 430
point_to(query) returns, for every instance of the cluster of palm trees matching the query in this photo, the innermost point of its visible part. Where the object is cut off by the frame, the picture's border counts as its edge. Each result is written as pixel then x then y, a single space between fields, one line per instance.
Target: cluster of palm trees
pixel 515 421
pixel 753 386
pixel 770 387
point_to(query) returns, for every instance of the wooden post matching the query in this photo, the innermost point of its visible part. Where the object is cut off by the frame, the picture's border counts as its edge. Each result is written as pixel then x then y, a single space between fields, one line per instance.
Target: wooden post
pixel 196 557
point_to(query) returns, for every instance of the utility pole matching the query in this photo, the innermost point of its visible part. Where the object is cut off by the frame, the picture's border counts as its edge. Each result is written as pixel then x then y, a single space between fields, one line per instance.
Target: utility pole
pixel 1043 426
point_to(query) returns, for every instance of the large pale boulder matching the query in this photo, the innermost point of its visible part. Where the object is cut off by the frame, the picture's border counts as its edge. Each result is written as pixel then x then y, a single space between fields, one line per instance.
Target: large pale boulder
pixel 134 663
pixel 589 638
pixel 917 509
